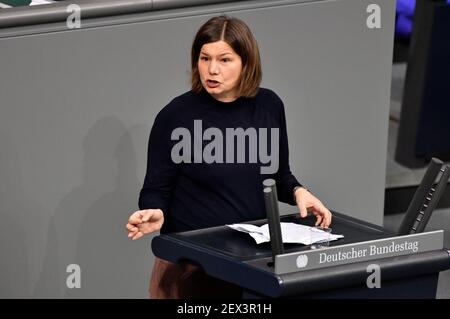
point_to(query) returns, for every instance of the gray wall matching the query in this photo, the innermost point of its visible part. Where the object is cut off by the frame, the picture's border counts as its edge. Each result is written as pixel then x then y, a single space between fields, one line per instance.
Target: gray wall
pixel 77 107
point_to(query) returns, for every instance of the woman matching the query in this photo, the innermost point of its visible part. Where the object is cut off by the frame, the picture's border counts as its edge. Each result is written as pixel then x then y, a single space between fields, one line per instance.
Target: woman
pixel 216 181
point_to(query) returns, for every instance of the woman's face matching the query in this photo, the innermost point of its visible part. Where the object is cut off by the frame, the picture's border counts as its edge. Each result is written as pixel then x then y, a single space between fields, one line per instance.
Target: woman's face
pixel 220 70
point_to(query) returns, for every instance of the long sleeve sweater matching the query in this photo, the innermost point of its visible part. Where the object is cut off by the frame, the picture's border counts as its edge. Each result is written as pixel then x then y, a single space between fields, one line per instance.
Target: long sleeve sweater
pixel 197 174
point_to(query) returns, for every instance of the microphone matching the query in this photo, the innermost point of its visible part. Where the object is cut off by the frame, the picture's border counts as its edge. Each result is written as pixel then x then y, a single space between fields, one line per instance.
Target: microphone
pixel 273 217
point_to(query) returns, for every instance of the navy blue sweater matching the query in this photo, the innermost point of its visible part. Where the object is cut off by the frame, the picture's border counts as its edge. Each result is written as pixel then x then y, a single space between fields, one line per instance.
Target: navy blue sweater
pixel 196 193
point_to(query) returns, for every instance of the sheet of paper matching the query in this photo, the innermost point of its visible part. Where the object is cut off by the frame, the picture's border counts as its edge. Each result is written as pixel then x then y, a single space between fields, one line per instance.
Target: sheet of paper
pixel 291 233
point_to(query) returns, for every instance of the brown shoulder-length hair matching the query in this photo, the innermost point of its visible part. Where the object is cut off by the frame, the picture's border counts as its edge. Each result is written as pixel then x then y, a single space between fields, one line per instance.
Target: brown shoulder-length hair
pixel 239 37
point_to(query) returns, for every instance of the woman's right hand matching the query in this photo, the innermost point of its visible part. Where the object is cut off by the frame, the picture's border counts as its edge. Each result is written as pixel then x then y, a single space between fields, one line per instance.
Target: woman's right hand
pixel 144 222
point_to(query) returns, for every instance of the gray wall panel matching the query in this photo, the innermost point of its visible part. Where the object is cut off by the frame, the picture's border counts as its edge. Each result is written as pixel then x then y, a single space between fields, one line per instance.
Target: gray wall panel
pixel 77 107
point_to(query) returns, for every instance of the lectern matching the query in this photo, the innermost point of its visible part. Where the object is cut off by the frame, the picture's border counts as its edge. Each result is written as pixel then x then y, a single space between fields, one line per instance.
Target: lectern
pixel 235 257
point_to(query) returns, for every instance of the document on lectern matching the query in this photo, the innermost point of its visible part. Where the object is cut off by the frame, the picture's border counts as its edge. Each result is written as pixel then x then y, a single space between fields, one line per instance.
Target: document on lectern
pixel 292 233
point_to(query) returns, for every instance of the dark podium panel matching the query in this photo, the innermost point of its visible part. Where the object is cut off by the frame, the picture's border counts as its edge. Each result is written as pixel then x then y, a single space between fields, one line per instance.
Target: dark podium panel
pixel 235 257
pixel 424 120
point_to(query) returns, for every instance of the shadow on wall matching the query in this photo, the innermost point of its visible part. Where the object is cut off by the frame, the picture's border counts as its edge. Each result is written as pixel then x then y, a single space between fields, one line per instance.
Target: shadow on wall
pixel 89 222
pixel 19 213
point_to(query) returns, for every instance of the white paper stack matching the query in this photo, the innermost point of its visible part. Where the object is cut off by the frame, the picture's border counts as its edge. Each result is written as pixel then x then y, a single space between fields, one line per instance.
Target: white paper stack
pixel 291 233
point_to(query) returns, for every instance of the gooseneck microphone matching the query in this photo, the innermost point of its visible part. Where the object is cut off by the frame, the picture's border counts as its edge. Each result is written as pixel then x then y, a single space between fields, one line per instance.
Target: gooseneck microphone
pixel 273 217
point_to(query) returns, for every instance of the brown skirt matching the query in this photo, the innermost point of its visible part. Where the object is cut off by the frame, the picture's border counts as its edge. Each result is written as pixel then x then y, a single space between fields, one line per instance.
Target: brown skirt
pixel 185 281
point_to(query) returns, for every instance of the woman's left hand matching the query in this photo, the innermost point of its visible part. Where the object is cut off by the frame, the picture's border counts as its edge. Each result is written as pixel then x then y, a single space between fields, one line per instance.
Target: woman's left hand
pixel 307 202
